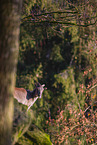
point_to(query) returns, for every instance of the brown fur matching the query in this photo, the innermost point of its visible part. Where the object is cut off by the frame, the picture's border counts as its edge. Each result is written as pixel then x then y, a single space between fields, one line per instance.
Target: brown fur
pixel 27 97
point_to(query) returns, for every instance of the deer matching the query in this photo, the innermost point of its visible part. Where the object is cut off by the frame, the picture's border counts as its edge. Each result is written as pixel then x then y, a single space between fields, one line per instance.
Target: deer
pixel 28 97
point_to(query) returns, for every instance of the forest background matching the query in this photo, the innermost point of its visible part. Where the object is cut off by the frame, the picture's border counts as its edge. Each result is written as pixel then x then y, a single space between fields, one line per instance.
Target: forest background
pixel 58 48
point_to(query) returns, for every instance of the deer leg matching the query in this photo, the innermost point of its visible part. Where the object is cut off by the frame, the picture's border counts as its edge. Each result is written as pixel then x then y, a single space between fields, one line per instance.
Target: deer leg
pixel 32 103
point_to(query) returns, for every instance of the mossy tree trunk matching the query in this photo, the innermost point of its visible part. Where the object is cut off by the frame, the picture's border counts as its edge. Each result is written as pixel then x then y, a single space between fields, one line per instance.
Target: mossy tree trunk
pixel 9 42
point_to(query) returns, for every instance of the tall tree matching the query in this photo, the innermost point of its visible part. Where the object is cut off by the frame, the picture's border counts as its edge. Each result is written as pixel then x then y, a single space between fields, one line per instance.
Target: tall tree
pixel 9 30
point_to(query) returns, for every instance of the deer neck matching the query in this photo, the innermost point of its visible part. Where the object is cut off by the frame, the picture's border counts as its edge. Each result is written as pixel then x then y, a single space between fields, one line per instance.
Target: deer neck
pixel 31 94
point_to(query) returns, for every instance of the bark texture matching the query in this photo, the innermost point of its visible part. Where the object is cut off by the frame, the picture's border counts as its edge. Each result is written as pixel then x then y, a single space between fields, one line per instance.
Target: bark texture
pixel 9 42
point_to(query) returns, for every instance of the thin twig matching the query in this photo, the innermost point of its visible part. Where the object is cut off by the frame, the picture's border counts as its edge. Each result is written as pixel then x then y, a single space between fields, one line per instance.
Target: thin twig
pixel 87 108
pixel 93 87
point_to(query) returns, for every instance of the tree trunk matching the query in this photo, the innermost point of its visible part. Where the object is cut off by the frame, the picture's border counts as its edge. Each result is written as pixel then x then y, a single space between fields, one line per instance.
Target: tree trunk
pixel 9 43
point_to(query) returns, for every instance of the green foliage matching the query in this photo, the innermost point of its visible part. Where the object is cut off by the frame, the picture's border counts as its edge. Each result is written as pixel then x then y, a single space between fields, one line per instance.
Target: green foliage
pixel 39 137
pixel 64 84
pixel 35 137
pixel 59 50
pixel 22 133
pixel 55 54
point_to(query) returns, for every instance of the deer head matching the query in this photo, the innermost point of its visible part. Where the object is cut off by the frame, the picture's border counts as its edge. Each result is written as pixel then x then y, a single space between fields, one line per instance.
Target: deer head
pixel 40 89
pixel 27 97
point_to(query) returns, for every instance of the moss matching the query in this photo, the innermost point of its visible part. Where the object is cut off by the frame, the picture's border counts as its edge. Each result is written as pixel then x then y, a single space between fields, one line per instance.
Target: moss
pixel 39 137
pixel 35 137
